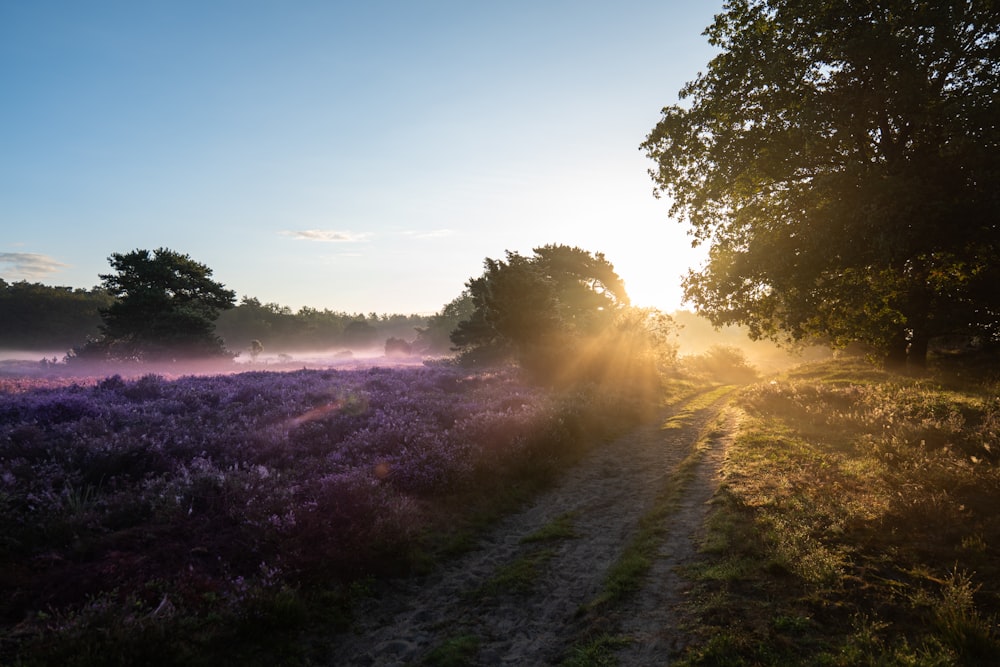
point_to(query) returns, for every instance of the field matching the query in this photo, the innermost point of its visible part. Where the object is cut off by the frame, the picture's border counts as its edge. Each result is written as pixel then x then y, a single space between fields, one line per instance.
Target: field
pixel 833 515
pixel 149 513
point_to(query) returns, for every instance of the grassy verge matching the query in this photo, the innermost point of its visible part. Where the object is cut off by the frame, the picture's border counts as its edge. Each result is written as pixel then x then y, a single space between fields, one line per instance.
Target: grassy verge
pixel 856 525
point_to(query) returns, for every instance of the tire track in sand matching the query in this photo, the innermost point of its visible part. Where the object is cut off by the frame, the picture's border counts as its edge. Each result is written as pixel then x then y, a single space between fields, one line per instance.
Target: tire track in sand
pixel 651 619
pixel 605 494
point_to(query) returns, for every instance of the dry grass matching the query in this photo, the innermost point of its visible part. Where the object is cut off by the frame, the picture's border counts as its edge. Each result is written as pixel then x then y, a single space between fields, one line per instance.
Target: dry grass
pixel 856 525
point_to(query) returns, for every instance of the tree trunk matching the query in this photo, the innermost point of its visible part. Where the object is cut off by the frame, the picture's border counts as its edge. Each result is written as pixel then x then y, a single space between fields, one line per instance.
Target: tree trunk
pixel 916 354
pixel 895 358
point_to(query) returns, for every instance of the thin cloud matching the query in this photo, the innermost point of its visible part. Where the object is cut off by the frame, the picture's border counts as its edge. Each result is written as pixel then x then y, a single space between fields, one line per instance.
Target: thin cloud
pixel 28 265
pixel 429 234
pixel 326 236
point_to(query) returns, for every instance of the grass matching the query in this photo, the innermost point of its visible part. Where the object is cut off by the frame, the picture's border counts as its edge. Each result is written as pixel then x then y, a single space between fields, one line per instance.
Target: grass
pixel 560 528
pixel 856 525
pixel 689 411
pixel 517 577
pixel 453 652
pixel 596 652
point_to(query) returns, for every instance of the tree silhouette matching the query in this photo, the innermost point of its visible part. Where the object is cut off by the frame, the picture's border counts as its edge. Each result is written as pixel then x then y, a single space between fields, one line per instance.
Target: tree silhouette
pixel 536 309
pixel 842 160
pixel 41 317
pixel 165 307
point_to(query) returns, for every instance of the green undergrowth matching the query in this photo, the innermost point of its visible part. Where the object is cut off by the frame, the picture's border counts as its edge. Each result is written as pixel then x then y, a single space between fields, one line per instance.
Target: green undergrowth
pixel 560 528
pixel 856 525
pixel 517 577
pixel 455 651
pixel 596 652
pixel 520 575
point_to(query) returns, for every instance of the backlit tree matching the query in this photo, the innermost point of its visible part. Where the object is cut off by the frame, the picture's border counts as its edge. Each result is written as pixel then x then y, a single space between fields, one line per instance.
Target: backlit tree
pixel 842 160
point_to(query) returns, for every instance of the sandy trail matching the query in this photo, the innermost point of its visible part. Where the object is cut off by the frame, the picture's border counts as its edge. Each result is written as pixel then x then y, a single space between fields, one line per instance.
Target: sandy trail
pixel 651 618
pixel 602 499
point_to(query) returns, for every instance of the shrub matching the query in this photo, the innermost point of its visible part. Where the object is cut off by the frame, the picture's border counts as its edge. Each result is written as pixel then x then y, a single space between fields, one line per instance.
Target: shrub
pixel 722 363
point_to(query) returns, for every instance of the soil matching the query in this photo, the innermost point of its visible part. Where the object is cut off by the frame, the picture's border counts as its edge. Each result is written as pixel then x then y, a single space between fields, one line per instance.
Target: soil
pixel 536 621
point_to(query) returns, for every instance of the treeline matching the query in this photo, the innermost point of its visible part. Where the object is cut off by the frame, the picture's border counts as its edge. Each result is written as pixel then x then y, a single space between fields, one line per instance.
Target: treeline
pixel 278 328
pixel 44 318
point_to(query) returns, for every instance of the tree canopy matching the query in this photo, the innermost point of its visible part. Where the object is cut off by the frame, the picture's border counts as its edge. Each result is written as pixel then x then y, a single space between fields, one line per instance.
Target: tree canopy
pixel 165 307
pixel 564 315
pixel 842 160
pixel 525 304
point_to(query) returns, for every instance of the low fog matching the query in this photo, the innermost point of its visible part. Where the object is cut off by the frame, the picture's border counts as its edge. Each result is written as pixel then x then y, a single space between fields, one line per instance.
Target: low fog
pixel 52 363
pixel 694 336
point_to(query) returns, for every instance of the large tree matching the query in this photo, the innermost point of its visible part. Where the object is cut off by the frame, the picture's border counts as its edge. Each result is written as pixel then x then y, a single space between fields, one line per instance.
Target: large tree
pixel 562 313
pixel 524 305
pixel 165 307
pixel 842 160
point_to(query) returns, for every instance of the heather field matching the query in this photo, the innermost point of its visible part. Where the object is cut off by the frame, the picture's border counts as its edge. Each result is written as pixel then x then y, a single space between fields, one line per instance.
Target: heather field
pixel 836 514
pixel 171 521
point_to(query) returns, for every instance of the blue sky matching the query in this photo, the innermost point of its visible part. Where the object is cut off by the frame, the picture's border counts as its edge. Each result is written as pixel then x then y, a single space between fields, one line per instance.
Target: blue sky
pixel 356 156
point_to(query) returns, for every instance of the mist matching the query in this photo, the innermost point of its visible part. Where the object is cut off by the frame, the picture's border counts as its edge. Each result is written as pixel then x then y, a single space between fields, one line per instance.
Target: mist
pixel 52 363
pixel 697 336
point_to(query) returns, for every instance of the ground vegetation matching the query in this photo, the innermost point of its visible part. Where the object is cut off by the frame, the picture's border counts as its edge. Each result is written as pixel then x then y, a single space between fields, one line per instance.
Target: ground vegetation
pixel 855 524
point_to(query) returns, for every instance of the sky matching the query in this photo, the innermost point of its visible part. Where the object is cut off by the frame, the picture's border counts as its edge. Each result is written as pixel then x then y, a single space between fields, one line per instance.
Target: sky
pixel 355 156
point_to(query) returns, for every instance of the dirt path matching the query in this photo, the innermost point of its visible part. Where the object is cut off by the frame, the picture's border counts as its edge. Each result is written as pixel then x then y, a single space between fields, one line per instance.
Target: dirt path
pixel 651 618
pixel 517 598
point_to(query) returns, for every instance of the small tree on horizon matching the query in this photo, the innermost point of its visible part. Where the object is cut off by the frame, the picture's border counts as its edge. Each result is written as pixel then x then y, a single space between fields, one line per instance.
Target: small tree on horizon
pixel 165 308
pixel 532 306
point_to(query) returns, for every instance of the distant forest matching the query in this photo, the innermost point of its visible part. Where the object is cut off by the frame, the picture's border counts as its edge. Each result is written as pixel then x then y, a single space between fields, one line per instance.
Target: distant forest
pixel 43 318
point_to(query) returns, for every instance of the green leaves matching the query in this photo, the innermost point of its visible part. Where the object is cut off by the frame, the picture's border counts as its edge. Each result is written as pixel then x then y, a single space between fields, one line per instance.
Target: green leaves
pixel 165 307
pixel 831 145
pixel 527 302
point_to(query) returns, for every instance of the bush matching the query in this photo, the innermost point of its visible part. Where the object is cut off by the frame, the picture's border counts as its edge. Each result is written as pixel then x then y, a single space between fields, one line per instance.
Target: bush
pixel 397 347
pixel 722 363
